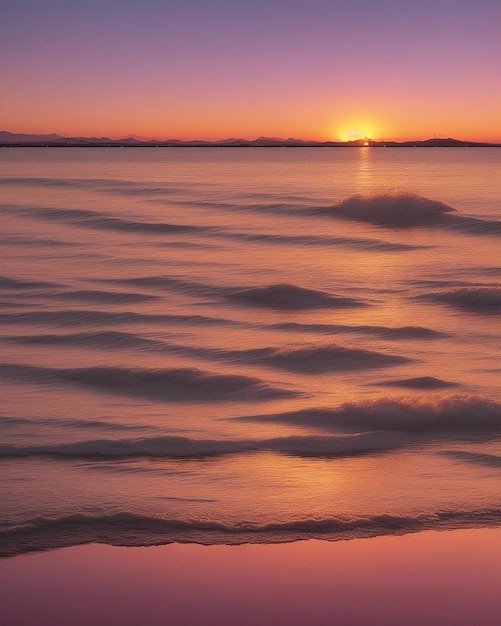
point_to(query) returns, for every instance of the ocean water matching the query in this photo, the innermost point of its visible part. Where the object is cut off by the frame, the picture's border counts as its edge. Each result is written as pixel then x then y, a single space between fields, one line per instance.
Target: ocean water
pixel 248 345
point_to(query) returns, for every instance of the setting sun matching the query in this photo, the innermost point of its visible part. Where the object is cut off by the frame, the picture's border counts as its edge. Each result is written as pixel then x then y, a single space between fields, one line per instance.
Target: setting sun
pixel 354 132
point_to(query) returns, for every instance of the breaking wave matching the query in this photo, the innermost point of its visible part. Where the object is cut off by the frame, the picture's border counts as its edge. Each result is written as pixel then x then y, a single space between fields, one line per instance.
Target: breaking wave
pixel 377 426
pixel 176 384
pixel 462 414
pixel 392 210
pixel 406 210
pixel 131 529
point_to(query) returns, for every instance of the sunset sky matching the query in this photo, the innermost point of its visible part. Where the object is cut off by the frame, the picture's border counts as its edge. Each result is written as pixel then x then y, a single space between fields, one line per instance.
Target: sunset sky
pixel 212 69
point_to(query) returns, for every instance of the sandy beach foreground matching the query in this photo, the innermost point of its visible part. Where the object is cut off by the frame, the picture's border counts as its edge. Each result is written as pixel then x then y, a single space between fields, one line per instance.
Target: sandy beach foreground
pixel 441 578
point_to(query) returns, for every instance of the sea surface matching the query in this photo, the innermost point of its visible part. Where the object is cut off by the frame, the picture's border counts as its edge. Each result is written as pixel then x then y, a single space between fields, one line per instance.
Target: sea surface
pixel 221 345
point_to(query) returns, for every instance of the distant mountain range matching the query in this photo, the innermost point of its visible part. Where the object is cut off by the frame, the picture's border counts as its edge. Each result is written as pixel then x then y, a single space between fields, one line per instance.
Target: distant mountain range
pixel 57 141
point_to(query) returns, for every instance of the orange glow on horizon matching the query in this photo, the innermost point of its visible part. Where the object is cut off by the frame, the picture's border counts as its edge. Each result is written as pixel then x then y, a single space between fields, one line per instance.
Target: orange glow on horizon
pixel 244 122
pixel 356 131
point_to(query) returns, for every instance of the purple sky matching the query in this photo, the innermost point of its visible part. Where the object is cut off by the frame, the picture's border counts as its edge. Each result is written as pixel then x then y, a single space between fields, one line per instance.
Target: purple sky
pixel 212 69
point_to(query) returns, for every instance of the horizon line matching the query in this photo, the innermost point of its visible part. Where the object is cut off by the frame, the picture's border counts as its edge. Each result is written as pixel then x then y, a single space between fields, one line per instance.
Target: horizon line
pixel 23 137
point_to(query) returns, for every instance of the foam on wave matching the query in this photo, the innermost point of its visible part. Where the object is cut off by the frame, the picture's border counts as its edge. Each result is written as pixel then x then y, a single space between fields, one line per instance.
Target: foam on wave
pixel 462 414
pixel 133 529
pixel 406 210
pixel 175 384
pixel 391 210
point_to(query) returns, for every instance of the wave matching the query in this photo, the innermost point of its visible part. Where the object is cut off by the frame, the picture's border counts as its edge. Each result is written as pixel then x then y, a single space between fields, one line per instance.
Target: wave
pixel 288 297
pixel 14 284
pixel 478 458
pixel 375 245
pixel 317 359
pixel 473 225
pixel 419 382
pixel 180 447
pixel 167 283
pixel 133 529
pixel 176 384
pixel 108 318
pixel 406 210
pixel 105 297
pixel 103 339
pixel 307 360
pixel 97 296
pixel 386 332
pixel 96 219
pixel 17 240
pixel 72 423
pixel 109 185
pixel 186 448
pixel 282 296
pixel 480 300
pixel 392 210
pixel 460 414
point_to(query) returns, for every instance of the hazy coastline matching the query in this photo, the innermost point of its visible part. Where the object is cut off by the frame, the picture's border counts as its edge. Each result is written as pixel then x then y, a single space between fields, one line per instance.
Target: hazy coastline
pixel 21 140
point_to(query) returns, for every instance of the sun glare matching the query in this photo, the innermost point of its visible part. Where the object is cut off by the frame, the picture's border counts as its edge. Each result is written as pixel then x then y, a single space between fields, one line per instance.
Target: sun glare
pixel 354 133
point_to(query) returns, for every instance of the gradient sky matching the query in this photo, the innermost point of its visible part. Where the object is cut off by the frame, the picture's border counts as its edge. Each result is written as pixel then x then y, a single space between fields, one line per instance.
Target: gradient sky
pixel 210 69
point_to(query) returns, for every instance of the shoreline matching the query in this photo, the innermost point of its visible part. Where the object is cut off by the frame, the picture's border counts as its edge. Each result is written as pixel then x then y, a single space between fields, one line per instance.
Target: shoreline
pixel 439 577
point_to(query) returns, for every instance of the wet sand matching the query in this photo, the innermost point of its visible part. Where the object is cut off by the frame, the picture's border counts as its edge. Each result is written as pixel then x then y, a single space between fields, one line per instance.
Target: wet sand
pixel 440 578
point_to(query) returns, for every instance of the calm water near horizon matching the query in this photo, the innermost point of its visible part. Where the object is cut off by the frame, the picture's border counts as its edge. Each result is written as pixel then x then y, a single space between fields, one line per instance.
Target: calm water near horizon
pixel 248 345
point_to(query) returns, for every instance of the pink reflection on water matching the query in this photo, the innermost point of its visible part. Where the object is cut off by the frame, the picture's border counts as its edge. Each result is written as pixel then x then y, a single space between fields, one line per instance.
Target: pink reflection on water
pixel 447 578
